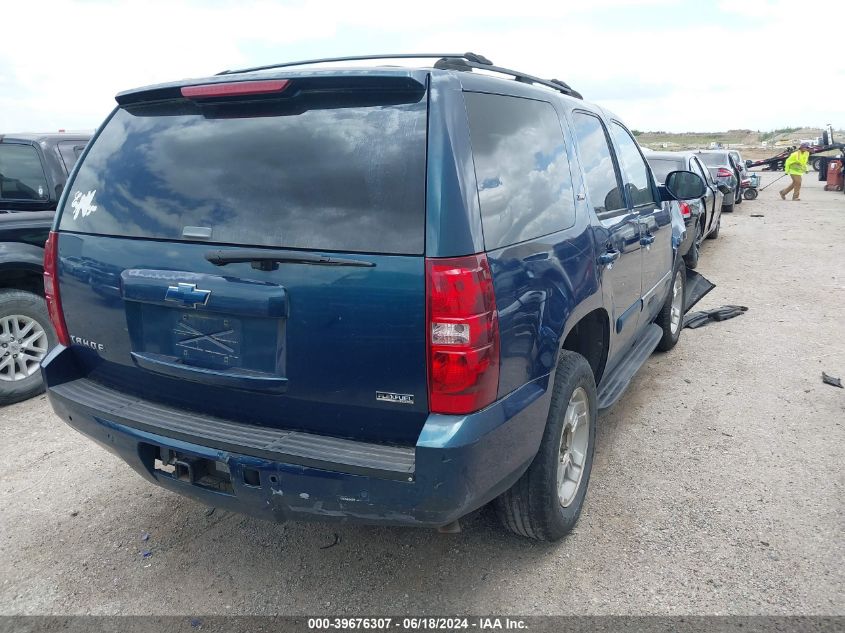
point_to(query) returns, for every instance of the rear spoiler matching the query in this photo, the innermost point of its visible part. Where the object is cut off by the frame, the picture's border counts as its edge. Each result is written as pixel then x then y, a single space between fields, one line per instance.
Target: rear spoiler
pixel 329 81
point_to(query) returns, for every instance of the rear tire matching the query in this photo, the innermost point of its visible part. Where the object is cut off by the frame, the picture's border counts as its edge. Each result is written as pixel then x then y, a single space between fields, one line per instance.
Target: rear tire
pixel 25 313
pixel 671 317
pixel 727 208
pixel 534 506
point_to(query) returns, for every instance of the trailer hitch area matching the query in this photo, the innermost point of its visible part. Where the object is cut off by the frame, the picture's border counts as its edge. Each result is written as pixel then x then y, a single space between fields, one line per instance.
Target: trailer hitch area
pixel 187 469
pixel 197 471
pixel 181 467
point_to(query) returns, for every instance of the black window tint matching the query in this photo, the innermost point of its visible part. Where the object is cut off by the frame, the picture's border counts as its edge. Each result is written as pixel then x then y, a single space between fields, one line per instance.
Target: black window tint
pixel 634 168
pixel 661 167
pixel 301 174
pixel 21 174
pixel 524 183
pixel 70 153
pixel 597 161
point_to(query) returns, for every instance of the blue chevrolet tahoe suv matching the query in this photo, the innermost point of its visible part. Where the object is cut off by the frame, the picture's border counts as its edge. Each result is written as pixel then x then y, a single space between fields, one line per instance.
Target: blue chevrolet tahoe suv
pixel 384 295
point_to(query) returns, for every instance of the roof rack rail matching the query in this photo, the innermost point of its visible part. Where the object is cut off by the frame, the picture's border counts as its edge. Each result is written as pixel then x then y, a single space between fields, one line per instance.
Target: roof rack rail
pixel 466 64
pixel 472 57
pixel 445 61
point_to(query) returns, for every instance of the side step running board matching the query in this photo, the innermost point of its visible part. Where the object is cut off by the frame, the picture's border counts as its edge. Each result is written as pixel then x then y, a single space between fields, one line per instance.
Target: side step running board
pixel 613 385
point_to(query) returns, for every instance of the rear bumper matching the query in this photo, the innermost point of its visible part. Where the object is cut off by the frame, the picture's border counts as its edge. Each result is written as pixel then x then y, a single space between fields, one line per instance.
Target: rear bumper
pixel 459 463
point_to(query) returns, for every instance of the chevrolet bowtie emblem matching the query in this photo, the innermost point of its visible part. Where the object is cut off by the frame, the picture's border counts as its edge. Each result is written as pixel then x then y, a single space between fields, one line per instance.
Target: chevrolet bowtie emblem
pixel 187 295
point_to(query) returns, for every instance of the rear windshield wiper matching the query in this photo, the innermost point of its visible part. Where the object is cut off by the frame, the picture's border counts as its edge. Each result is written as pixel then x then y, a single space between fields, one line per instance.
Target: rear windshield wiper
pixel 269 260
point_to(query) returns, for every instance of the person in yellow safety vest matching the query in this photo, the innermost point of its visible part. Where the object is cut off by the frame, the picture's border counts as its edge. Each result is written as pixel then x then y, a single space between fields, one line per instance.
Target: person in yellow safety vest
pixel 796 166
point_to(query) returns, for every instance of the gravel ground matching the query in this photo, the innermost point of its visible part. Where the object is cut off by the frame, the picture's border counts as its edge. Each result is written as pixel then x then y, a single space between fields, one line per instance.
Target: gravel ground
pixel 717 486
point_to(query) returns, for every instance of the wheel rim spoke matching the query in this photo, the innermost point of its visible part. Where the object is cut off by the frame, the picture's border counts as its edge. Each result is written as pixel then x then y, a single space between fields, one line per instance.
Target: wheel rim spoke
pixel 26 328
pixel 30 343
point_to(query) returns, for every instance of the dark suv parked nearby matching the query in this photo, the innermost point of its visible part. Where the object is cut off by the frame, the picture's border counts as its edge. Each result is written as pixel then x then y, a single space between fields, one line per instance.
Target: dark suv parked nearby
pixel 33 171
pixel 385 295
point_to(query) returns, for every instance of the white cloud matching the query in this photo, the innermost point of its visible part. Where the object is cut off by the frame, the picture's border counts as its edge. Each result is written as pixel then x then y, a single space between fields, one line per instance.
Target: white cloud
pixel 756 71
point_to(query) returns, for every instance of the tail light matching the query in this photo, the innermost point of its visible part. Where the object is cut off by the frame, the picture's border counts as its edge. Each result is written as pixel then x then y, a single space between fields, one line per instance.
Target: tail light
pixel 723 173
pixel 463 335
pixel 685 210
pixel 51 288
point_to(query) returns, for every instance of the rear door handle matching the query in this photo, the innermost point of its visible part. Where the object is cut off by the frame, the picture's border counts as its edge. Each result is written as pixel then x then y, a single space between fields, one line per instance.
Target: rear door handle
pixel 608 257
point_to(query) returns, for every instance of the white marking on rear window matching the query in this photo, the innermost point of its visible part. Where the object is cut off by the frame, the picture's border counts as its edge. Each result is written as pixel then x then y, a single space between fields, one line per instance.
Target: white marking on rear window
pixel 83 204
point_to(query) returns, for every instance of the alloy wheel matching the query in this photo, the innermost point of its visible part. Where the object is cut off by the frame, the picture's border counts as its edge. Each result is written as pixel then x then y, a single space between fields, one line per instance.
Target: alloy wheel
pixel 677 303
pixel 574 441
pixel 23 344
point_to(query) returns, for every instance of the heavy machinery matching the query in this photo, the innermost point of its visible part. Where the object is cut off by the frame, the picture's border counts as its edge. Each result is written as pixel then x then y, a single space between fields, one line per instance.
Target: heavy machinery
pixel 818 163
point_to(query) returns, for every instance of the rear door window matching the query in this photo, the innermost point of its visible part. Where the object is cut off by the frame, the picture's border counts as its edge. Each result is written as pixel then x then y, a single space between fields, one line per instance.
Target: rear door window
pixel 21 174
pixel 634 168
pixel 521 166
pixel 70 153
pixel 596 157
pixel 343 174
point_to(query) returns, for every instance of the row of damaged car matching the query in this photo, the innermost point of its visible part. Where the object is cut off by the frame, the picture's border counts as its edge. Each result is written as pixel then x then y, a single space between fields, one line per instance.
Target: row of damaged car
pixel 725 177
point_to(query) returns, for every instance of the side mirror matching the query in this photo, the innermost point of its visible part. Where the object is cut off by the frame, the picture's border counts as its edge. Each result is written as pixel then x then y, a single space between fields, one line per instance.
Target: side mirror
pixel 684 185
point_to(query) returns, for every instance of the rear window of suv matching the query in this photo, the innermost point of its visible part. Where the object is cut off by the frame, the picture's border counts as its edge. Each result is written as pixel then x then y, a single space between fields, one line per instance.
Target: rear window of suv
pixel 328 177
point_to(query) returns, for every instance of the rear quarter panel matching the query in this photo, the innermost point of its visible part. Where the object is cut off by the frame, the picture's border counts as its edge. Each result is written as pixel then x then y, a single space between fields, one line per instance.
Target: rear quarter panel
pixel 542 287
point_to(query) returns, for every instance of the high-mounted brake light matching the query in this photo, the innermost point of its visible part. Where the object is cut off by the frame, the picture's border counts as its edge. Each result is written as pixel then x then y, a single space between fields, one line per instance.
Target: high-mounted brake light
pixel 235 89
pixel 685 210
pixel 463 335
pixel 51 288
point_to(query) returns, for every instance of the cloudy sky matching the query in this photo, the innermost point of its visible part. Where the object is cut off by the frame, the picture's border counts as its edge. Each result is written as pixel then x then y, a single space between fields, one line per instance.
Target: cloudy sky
pixel 675 65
